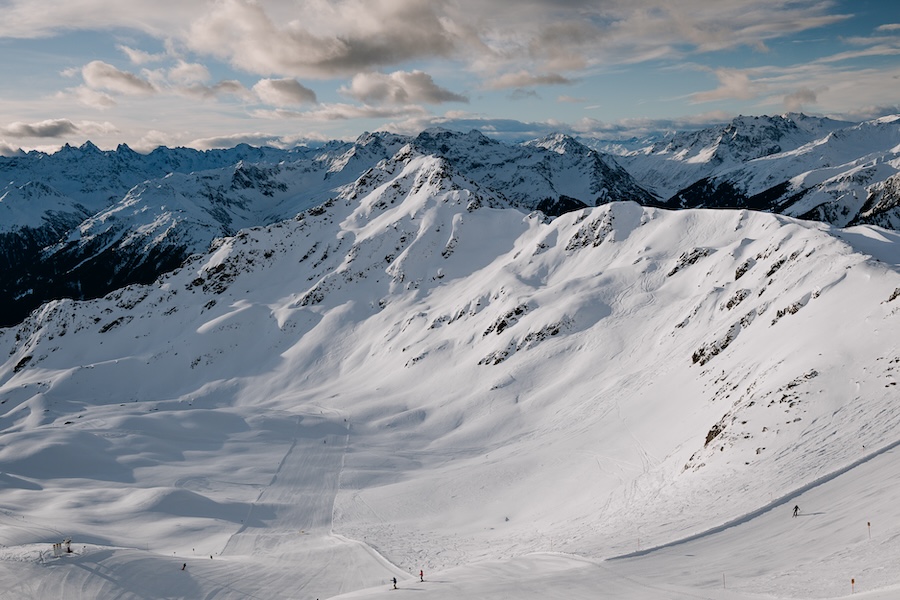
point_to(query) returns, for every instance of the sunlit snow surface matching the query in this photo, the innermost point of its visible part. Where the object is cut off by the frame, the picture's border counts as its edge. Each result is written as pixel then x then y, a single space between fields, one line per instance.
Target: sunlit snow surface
pixel 619 403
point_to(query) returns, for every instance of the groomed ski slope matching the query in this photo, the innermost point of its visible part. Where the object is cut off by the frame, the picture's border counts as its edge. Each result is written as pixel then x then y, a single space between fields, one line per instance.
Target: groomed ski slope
pixel 622 402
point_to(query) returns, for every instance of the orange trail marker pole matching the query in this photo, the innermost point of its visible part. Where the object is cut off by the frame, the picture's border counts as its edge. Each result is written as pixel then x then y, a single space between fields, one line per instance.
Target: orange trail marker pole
pixel 852 585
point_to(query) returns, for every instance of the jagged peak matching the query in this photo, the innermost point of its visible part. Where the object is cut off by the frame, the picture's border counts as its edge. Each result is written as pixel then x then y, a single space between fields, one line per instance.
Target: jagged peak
pixel 561 143
pixel 89 146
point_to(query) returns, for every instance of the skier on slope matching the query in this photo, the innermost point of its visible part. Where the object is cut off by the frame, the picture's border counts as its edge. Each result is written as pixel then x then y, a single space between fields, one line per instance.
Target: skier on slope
pixel 421 575
pixel 395 583
pixel 796 510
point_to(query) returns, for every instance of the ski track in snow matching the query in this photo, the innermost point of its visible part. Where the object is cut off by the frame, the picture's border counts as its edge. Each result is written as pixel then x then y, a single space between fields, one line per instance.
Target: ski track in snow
pixel 777 503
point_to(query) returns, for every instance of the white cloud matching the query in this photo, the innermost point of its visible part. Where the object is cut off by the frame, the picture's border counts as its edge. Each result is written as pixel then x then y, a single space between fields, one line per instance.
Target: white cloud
pixel 54 128
pixel 283 92
pixel 335 38
pixel 399 87
pixel 888 27
pixel 99 75
pixel 570 99
pixel 327 39
pixel 185 73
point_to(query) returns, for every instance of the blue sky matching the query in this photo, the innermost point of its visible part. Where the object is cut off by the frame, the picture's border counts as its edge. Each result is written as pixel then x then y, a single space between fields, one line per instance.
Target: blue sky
pixel 216 73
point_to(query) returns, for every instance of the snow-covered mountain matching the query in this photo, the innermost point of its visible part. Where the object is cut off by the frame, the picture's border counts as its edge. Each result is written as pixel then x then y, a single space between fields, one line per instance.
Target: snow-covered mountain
pixel 675 162
pixel 82 222
pixel 796 165
pixel 49 201
pixel 415 375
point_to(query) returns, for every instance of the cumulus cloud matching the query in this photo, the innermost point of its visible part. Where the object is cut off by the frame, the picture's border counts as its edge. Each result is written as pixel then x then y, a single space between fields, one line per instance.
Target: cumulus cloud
pixel 399 87
pixel 54 128
pixel 99 75
pixel 283 92
pixel 104 82
pixel 328 39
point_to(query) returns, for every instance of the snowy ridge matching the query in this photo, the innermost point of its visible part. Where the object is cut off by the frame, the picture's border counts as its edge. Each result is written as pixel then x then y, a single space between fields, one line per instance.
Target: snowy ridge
pixel 673 164
pixel 416 370
pixel 83 222
pixel 126 218
pixel 800 166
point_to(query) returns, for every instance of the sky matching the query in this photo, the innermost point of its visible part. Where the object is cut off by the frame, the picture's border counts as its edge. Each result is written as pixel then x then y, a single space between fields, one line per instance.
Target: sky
pixel 215 73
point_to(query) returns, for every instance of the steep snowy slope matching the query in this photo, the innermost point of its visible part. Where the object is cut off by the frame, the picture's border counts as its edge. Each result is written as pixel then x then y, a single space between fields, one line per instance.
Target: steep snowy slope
pixel 414 376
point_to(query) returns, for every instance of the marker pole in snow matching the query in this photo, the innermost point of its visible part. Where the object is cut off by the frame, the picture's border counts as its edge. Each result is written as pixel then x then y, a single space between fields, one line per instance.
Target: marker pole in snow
pixel 869 525
pixel 852 585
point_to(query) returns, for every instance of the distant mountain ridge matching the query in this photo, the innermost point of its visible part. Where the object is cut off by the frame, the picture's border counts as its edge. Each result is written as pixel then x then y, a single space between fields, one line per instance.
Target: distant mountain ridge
pixel 83 222
pixel 808 167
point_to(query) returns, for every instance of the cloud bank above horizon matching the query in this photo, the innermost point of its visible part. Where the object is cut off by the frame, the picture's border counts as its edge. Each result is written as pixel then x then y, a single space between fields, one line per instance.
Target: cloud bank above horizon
pixel 179 73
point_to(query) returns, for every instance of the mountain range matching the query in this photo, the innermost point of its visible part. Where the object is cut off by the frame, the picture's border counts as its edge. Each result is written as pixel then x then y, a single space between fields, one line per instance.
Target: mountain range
pixel 83 222
pixel 421 370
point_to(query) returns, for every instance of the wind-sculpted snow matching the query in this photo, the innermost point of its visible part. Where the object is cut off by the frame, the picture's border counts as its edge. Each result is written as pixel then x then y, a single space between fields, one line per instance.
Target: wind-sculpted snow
pixel 415 375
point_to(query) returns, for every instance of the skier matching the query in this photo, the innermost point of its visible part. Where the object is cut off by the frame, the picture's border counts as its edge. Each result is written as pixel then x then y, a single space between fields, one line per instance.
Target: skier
pixel 395 583
pixel 421 575
pixel 796 510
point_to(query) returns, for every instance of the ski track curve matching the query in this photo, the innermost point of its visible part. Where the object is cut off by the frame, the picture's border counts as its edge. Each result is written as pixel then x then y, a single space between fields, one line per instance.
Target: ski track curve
pixel 778 502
